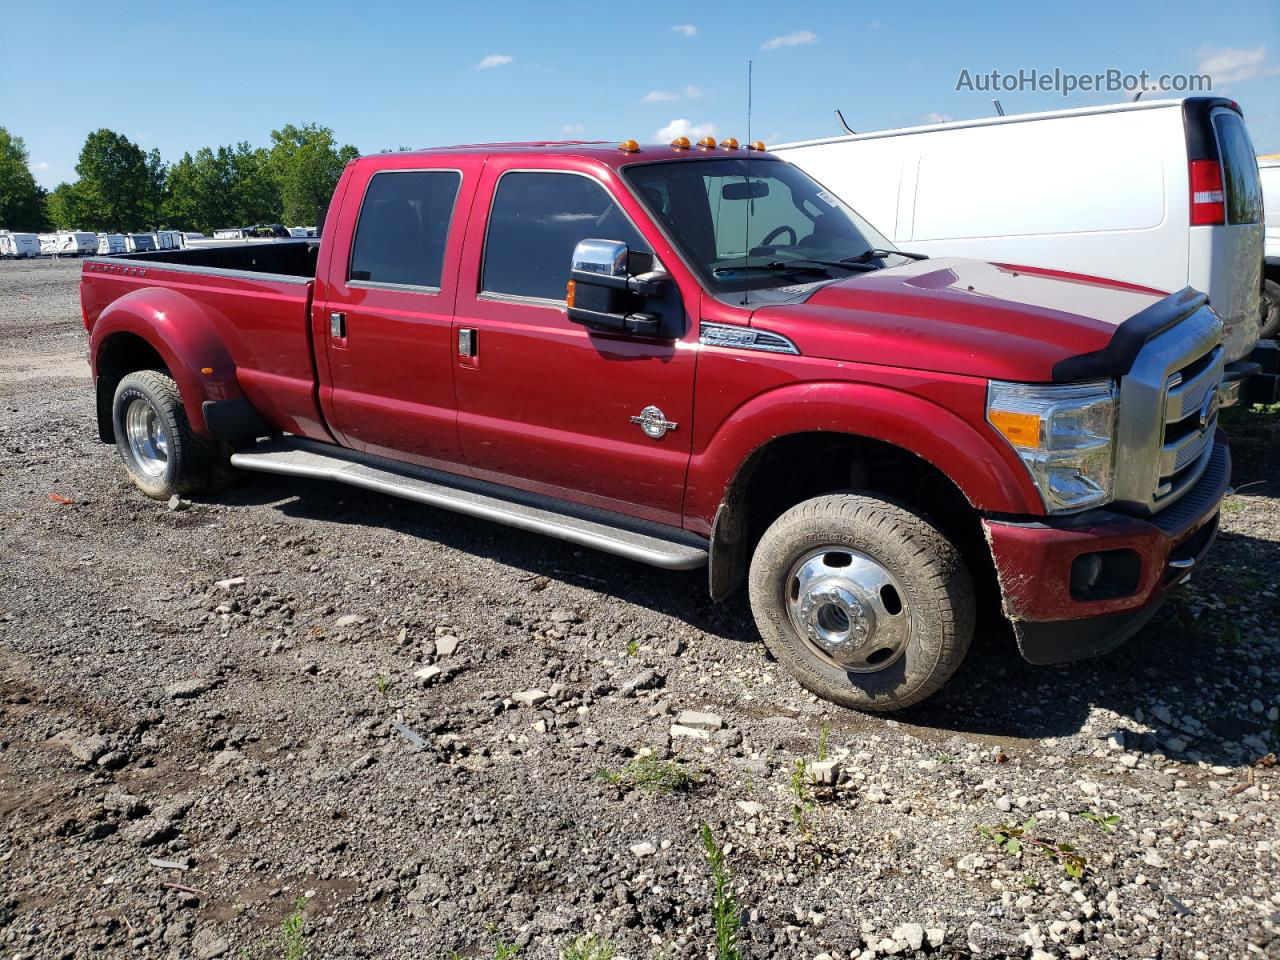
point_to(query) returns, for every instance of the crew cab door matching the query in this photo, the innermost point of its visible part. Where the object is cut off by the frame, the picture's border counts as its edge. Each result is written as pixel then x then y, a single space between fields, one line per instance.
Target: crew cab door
pixel 545 404
pixel 383 317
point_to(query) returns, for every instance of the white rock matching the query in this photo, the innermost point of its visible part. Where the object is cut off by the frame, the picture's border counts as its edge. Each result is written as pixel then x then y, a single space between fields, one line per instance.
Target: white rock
pixel 701 721
pixel 912 933
pixel 228 584
pixel 645 849
pixel 825 773
pixel 428 673
pixel 1004 804
pixel 1088 788
pixel 936 936
pixel 349 620
pixel 751 808
pixel 446 645
pixel 691 733
pixel 530 698
pixel 1256 706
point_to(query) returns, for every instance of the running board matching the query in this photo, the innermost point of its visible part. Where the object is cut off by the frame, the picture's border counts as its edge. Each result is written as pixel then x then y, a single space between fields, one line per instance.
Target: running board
pixel 650 543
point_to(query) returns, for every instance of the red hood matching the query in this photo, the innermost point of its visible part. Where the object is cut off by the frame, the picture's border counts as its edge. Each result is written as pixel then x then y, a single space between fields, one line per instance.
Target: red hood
pixel 960 316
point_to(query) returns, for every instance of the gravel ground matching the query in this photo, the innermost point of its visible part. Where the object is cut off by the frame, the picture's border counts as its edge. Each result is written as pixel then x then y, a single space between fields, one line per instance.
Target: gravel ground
pixel 298 720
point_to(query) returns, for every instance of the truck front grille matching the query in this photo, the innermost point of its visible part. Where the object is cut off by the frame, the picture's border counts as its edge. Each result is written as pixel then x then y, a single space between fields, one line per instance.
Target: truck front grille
pixel 1190 417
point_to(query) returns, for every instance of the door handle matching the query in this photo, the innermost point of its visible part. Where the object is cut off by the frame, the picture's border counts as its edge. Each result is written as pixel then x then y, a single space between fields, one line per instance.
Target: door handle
pixel 338 326
pixel 468 342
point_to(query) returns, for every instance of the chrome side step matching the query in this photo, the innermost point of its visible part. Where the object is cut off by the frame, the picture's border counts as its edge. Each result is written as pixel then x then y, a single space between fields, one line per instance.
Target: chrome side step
pixel 649 543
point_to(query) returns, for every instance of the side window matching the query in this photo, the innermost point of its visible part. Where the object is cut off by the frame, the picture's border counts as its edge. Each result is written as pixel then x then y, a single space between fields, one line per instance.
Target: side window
pixel 403 226
pixel 536 221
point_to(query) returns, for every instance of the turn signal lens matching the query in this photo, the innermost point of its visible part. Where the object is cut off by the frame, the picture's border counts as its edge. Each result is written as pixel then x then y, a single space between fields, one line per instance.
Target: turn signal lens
pixel 206 370
pixel 708 143
pixel 570 289
pixel 629 146
pixel 1020 429
pixel 758 145
pixel 681 143
pixel 729 143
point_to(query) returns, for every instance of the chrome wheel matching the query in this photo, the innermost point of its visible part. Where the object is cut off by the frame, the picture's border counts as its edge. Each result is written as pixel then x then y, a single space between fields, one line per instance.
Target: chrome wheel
pixel 148 440
pixel 848 608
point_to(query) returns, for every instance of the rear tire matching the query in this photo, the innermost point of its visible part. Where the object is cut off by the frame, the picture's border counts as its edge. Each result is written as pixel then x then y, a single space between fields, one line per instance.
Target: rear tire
pixel 867 604
pixel 1271 319
pixel 163 455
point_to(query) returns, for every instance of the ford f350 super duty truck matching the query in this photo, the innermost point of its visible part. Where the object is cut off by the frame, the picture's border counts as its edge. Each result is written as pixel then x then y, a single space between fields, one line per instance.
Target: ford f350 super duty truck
pixel 694 355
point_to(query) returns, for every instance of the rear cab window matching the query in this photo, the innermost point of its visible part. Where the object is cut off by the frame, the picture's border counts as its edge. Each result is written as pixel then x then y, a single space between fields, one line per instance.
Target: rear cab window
pixel 403 228
pixel 1239 169
pixel 536 220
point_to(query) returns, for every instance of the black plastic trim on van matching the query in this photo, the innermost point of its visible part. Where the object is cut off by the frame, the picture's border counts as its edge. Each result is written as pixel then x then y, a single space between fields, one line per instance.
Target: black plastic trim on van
pixel 1116 358
pixel 1202 142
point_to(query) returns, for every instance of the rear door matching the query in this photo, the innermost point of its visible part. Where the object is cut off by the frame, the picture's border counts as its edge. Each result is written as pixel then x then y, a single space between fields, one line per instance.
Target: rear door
pixel 544 404
pixel 385 314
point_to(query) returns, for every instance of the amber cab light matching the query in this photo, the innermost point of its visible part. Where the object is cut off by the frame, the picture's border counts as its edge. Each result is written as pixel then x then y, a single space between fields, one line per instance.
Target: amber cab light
pixel 758 145
pixel 707 143
pixel 729 143
pixel 681 143
pixel 629 146
pixel 1208 202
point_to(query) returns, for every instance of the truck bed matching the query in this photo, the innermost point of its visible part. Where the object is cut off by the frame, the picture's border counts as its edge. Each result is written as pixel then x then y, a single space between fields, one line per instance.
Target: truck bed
pixel 242 311
pixel 286 258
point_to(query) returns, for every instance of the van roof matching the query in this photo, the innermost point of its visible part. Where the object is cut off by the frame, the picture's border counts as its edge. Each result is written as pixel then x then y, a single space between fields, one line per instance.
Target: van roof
pixel 1160 104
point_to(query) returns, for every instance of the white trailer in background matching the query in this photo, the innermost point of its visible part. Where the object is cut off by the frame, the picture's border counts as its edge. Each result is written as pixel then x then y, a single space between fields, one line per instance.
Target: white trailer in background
pixel 68 243
pixel 19 245
pixel 140 242
pixel 86 243
pixel 168 240
pixel 229 233
pixel 112 243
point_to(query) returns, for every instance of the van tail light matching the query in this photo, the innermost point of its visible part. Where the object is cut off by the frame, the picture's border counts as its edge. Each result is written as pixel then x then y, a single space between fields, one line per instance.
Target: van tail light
pixel 1208 205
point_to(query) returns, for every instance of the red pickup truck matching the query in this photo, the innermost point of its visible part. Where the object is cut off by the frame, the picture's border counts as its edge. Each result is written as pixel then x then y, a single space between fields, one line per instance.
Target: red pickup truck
pixel 694 355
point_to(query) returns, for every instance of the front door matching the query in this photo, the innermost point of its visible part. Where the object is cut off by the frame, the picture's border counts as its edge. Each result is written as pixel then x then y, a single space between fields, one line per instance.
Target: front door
pixel 384 323
pixel 545 404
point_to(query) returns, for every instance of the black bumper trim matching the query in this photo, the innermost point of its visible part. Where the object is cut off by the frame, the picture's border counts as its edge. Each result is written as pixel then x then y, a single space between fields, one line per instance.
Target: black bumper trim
pixel 1062 641
pixel 234 421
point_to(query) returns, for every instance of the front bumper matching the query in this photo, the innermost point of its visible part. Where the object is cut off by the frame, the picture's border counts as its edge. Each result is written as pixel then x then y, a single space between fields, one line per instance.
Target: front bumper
pixel 1056 621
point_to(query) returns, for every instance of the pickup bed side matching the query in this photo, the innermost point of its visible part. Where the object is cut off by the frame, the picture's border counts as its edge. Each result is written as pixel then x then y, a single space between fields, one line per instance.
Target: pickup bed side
pixel 230 325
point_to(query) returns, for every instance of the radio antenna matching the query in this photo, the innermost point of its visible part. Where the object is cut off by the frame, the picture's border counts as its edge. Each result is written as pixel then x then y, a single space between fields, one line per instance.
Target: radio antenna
pixel 746 229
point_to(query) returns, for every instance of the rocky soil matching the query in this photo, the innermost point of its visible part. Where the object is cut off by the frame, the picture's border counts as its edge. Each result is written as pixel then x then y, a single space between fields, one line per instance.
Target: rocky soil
pixel 298 720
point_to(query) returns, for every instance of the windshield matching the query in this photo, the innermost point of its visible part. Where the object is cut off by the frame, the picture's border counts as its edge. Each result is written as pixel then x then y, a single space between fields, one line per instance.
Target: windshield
pixel 780 231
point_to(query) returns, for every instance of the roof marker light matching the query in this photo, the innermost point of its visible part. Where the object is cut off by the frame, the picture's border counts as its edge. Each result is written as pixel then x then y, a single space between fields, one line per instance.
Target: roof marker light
pixel 681 143
pixel 757 145
pixel 729 143
pixel 629 146
pixel 707 143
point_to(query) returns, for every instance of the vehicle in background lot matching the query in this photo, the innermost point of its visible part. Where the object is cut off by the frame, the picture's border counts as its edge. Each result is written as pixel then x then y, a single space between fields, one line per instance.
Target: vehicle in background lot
pixel 1162 193
pixel 513 332
pixel 140 242
pixel 68 243
pixel 168 240
pixel 1269 173
pixel 19 246
pixel 190 235
pixel 302 232
pixel 265 230
pixel 230 233
pixel 110 244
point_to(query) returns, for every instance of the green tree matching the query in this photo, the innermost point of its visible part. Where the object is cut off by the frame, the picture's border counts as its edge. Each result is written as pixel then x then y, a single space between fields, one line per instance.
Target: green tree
pixel 223 187
pixel 66 207
pixel 117 186
pixel 306 163
pixel 21 198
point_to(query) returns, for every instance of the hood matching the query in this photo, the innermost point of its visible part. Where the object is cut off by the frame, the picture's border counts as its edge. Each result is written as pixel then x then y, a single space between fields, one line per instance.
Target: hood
pixel 957 316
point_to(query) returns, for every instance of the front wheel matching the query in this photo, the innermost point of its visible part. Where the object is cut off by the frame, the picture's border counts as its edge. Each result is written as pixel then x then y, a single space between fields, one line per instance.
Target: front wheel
pixel 163 455
pixel 867 604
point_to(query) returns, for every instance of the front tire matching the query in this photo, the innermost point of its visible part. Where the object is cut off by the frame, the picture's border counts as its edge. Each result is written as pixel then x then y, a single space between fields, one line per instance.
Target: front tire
pixel 867 604
pixel 163 455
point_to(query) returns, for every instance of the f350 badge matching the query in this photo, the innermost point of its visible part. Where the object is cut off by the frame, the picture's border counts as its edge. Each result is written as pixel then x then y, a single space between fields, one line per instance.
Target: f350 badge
pixel 653 422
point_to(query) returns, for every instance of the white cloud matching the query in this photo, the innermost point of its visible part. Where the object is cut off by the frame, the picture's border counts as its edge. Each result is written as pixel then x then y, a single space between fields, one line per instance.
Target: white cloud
pixel 685 29
pixel 690 92
pixel 684 128
pixel 936 117
pixel 40 167
pixel 572 128
pixel 1227 65
pixel 797 39
pixel 494 60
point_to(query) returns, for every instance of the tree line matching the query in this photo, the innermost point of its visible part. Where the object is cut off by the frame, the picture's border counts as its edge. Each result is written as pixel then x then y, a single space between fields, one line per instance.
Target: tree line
pixel 122 188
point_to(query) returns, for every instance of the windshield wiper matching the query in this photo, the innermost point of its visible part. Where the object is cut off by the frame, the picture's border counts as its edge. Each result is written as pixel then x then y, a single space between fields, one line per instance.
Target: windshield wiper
pixel 806 263
pixel 874 254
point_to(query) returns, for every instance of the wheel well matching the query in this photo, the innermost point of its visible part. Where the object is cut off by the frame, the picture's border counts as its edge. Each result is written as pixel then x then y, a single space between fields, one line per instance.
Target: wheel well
pixel 120 355
pixel 793 468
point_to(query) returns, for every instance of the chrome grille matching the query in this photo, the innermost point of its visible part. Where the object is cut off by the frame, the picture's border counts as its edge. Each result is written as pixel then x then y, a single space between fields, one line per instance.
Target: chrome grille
pixel 1163 444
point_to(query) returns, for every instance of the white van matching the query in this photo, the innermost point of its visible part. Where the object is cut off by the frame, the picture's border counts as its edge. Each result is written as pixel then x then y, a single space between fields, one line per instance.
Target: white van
pixel 112 243
pixel 1269 172
pixel 1162 193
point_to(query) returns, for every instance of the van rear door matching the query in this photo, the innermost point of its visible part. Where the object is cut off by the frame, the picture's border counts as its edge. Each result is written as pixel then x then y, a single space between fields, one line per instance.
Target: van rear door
pixel 1225 246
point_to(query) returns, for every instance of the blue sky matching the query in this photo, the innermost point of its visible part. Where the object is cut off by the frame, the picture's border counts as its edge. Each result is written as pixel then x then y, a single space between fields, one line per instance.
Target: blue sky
pixel 181 75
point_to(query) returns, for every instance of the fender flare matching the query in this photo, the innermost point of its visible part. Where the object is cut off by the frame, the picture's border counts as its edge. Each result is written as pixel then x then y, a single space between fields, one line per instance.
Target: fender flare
pixel 185 336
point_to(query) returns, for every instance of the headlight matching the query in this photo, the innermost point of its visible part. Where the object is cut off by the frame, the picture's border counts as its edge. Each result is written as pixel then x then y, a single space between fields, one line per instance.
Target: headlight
pixel 1064 435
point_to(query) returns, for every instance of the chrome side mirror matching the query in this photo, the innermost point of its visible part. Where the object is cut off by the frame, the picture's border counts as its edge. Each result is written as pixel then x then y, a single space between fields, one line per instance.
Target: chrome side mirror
pixel 607 258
